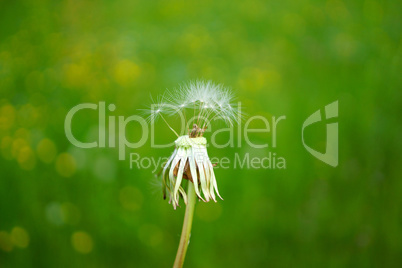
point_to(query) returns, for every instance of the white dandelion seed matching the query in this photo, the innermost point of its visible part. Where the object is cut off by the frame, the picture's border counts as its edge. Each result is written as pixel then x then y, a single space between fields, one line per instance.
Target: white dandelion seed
pixel 157 109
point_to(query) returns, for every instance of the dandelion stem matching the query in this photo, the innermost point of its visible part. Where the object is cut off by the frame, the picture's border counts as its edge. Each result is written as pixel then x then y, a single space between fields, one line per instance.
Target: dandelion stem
pixel 186 231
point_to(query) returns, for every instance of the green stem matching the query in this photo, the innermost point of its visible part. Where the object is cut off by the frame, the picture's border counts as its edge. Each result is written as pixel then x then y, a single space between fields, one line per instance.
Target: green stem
pixel 186 231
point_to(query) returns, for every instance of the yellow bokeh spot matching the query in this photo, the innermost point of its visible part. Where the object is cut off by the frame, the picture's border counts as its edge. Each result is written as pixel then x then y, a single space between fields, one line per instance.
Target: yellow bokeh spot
pixel 22 133
pixel 255 79
pixel 17 145
pixel 26 158
pixel 46 151
pixel 20 237
pixel 82 242
pixel 195 38
pixel 337 10
pixel 130 198
pixel 7 117
pixel 66 165
pixel 5 241
pixel 76 75
pixel 126 72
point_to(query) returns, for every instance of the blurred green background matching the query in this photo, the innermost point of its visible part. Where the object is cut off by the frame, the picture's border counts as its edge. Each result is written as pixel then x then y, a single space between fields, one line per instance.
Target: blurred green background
pixel 61 206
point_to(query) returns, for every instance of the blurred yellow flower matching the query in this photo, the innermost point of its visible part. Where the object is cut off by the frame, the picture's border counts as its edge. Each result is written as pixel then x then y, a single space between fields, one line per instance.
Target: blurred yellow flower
pixel 20 237
pixel 82 242
pixel 46 150
pixel 66 165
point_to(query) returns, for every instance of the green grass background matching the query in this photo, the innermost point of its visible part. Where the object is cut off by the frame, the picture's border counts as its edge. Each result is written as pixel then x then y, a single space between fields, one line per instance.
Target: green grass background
pixel 62 206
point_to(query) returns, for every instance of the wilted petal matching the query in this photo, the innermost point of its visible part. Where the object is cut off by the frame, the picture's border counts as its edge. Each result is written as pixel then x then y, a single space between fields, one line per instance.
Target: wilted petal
pixel 183 194
pixel 203 179
pixel 199 169
pixel 179 177
pixel 194 175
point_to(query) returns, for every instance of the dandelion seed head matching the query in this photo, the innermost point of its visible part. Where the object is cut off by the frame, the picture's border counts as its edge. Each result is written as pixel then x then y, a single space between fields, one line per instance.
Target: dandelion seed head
pixel 190 160
pixel 209 101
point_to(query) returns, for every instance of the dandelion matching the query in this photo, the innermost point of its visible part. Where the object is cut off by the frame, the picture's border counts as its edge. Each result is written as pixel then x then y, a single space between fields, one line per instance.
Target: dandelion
pixel 201 102
pixel 189 161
